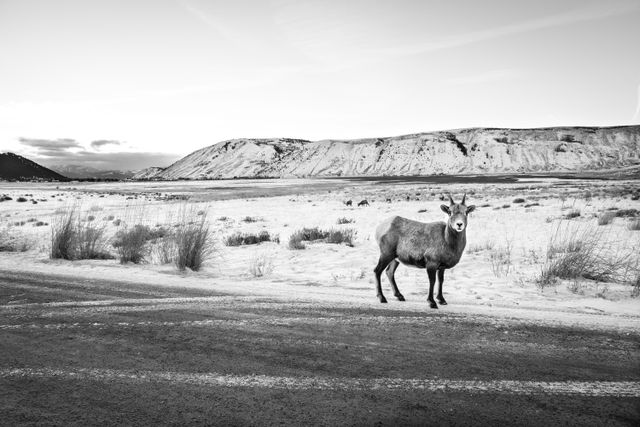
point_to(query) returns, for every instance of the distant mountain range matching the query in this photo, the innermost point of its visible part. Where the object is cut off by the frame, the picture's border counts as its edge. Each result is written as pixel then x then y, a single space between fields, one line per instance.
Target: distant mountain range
pixel 460 151
pixel 88 172
pixel 15 167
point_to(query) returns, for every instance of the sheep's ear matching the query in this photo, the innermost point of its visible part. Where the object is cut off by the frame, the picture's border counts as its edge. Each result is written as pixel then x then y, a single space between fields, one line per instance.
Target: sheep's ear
pixel 445 209
pixel 471 209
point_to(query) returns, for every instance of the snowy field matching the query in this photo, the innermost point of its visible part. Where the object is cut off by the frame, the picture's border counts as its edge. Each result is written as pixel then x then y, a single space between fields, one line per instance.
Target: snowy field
pixel 507 241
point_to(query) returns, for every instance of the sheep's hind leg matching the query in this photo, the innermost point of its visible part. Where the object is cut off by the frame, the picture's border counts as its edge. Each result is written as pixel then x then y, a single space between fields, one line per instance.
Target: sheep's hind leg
pixel 440 297
pixel 391 269
pixel 432 280
pixel 382 264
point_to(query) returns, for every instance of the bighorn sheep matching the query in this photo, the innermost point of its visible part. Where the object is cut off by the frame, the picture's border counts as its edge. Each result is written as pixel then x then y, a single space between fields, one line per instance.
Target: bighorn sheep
pixel 348 203
pixel 363 203
pixel 435 246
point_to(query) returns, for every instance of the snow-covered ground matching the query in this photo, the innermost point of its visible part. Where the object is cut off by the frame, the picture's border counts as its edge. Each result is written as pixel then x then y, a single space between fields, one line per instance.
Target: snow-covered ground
pixel 339 273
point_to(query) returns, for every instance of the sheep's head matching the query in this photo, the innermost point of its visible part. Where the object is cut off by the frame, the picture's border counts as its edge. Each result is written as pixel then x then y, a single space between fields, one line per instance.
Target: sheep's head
pixel 457 213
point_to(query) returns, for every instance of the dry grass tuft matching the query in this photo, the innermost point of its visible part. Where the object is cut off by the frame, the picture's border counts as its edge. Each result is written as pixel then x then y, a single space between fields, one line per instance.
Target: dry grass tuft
pixel 261 265
pixel 585 253
pixel 606 218
pixel 73 239
pixel 193 241
pixel 11 241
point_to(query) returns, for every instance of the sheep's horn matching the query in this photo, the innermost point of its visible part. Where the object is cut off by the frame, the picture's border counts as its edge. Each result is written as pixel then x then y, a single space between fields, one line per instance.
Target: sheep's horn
pixel 463 197
pixel 451 200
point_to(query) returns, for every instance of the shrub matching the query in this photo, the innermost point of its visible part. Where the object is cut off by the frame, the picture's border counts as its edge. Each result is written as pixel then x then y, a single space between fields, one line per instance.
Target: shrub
pixel 239 239
pixel 518 200
pixel 96 208
pixel 529 205
pixel 606 218
pixel 21 199
pixel 341 236
pixel 250 219
pixel 117 222
pixel 634 225
pixel 624 213
pixel 40 224
pixel 90 242
pixel 131 244
pixel 193 245
pixel 573 213
pixel 13 242
pixel 297 239
pixel 345 220
pixel 506 206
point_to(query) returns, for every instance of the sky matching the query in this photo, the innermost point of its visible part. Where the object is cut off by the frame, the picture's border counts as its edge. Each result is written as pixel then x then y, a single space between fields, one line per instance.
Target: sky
pixel 127 84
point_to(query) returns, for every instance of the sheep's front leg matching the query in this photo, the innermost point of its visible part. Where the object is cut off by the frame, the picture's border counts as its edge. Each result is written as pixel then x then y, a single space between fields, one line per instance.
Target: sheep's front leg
pixel 432 281
pixel 441 299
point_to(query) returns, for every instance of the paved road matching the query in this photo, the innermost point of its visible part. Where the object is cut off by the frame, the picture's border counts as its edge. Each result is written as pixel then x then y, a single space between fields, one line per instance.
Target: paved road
pixel 102 352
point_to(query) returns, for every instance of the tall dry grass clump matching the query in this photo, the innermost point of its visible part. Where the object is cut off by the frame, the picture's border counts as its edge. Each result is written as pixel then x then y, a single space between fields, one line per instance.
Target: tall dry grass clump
pixel 73 239
pixel 586 252
pixel 193 241
pixel 63 236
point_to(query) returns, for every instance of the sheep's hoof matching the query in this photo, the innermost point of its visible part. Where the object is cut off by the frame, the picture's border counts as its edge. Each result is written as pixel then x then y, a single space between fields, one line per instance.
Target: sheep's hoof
pixel 442 301
pixel 382 299
pixel 400 297
pixel 433 304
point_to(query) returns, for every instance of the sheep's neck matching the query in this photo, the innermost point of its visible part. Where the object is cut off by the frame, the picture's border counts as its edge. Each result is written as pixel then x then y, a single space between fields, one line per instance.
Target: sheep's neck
pixel 454 239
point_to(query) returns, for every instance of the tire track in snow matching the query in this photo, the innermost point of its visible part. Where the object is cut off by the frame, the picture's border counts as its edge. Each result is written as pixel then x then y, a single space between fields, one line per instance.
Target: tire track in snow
pixel 579 388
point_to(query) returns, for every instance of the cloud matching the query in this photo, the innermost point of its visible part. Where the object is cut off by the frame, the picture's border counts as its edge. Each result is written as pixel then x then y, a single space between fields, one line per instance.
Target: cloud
pixel 61 144
pixel 102 142
pixel 66 151
pixel 591 12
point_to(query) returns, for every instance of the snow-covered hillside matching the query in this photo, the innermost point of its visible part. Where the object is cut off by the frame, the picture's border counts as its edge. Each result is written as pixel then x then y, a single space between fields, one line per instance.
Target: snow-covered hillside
pixel 148 173
pixel 474 150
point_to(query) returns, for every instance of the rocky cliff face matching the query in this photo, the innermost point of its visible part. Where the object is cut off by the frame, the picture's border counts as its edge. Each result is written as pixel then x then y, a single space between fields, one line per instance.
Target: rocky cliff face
pixel 476 150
